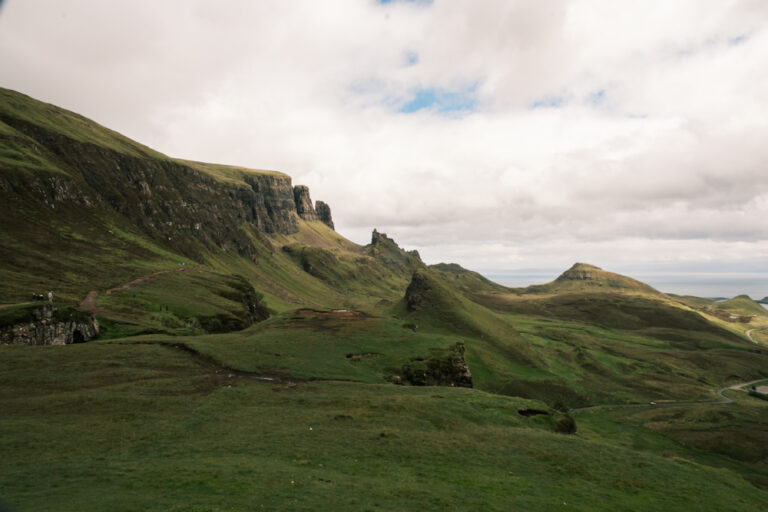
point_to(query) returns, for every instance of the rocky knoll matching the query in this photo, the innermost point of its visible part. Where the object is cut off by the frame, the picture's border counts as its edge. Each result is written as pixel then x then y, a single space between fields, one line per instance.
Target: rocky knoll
pixel 383 247
pixel 47 325
pixel 451 370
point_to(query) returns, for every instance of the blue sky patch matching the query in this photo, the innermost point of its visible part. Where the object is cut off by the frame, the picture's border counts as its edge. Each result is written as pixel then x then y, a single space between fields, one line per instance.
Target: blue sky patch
pixel 597 97
pixel 735 41
pixel 441 100
pixel 548 102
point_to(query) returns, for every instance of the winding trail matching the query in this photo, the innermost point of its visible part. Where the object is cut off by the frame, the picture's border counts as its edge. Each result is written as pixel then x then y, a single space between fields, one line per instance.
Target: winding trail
pixel 89 302
pixel 13 304
pixel 725 400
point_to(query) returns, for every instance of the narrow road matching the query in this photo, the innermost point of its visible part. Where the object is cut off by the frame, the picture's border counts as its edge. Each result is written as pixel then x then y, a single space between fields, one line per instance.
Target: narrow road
pixel 725 400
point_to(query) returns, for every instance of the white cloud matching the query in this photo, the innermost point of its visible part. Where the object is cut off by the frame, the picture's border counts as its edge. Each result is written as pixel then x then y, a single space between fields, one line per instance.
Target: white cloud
pixel 654 131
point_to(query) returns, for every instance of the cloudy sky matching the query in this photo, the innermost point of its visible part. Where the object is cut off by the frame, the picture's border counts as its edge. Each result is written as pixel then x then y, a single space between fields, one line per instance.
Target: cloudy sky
pixel 502 135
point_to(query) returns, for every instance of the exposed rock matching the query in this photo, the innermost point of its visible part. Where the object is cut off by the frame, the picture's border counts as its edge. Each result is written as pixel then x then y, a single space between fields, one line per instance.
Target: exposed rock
pixel 448 371
pixel 580 272
pixel 172 202
pixel 324 213
pixel 46 325
pixel 383 247
pixel 417 292
pixel 381 239
pixel 304 203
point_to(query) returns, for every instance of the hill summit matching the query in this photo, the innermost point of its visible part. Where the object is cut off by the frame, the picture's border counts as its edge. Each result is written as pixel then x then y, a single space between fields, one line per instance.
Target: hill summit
pixel 583 277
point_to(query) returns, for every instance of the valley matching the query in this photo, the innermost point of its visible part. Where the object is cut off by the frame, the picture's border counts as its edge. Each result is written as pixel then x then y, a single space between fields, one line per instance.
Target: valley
pixel 250 357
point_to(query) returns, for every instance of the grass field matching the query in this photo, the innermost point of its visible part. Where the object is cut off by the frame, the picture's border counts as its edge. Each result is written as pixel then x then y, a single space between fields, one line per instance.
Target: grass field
pixel 145 427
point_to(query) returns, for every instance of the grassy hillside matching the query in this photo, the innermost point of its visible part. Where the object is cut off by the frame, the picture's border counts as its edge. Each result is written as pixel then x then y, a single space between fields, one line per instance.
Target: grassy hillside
pixel 742 306
pixel 250 359
pixel 145 427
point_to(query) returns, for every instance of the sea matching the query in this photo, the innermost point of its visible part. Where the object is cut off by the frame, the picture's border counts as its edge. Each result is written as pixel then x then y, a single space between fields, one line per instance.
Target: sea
pixel 699 284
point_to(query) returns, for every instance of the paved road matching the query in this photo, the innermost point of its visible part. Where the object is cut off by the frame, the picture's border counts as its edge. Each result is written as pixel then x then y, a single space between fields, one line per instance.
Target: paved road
pixel 725 400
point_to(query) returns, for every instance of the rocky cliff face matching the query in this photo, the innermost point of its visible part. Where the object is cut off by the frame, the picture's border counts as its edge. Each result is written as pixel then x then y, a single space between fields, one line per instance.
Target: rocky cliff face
pixel 47 325
pixel 304 203
pixel 324 213
pixel 169 200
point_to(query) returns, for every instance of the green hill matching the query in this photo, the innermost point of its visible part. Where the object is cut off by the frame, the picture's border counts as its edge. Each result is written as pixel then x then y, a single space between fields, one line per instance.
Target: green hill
pixel 741 305
pixel 250 357
pixel 582 277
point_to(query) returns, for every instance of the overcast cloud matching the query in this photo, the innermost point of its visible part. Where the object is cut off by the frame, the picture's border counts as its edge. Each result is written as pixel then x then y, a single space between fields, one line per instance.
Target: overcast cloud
pixel 498 134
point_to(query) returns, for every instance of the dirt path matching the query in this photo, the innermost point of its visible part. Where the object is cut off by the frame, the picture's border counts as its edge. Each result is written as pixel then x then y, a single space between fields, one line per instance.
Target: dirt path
pixel 725 400
pixel 13 304
pixel 749 335
pixel 89 302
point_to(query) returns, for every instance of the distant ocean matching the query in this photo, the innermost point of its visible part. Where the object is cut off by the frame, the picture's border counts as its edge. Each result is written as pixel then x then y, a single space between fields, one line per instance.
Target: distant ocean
pixel 700 284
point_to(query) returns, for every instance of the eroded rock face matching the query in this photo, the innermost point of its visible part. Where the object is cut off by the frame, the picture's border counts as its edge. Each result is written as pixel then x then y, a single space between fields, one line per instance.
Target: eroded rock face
pixel 304 203
pixel 448 371
pixel 324 213
pixel 172 202
pixel 382 246
pixel 417 292
pixel 175 203
pixel 46 327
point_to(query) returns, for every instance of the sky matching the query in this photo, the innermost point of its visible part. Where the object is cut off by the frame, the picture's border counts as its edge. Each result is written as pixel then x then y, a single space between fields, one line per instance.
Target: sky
pixel 511 137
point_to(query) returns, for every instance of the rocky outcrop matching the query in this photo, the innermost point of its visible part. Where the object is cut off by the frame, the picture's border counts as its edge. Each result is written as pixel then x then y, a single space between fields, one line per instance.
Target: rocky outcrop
pixel 304 203
pixel 46 325
pixel 324 214
pixel 581 272
pixel 383 247
pixel 451 370
pixel 417 293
